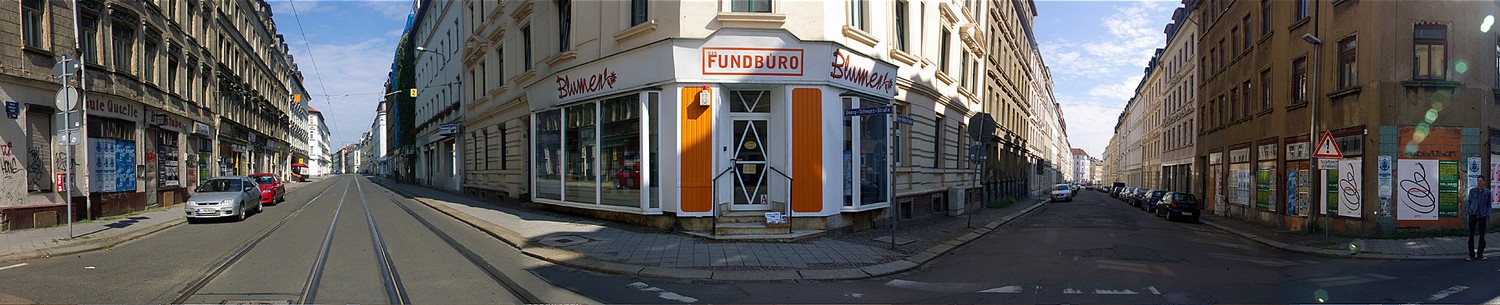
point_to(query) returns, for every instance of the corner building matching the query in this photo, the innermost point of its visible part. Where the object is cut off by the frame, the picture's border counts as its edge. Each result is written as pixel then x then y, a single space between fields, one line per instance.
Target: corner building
pixel 1406 89
pixel 687 114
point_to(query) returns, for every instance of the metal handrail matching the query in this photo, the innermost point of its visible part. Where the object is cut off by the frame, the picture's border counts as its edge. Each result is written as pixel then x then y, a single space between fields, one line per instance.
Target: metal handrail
pixel 714 196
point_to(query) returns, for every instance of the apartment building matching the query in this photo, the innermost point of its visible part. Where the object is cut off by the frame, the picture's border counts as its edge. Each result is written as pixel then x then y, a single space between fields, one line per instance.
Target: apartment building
pixel 1412 116
pixel 437 38
pixel 680 114
pixel 1179 104
pixel 176 91
pixel 318 158
pixel 1083 167
pixel 1008 89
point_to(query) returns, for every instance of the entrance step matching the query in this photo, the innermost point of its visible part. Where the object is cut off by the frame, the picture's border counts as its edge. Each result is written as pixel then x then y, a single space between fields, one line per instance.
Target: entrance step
pixel 793 236
pixel 748 228
pixel 743 217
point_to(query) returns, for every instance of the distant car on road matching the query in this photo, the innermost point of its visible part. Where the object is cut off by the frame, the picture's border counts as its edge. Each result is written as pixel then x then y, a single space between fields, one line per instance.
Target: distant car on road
pixel 272 190
pixel 1062 192
pixel 1181 205
pixel 229 196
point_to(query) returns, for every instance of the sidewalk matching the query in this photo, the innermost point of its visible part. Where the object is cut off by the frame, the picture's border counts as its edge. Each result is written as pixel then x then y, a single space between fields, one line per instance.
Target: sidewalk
pixel 598 245
pixel 1427 248
pixel 93 235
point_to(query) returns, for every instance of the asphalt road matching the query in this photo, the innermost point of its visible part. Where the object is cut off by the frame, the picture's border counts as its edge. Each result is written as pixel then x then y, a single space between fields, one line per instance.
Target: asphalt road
pixel 1092 250
pixel 166 266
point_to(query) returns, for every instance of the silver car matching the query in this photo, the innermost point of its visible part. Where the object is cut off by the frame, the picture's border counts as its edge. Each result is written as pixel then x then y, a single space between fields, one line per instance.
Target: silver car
pixel 232 196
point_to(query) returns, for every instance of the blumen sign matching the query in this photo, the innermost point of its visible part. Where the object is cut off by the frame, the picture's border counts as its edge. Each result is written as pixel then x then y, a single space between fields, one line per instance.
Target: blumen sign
pixel 860 71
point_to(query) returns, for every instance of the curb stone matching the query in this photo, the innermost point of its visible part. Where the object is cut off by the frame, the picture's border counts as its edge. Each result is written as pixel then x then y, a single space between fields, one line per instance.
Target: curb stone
pixel 94 244
pixel 1333 252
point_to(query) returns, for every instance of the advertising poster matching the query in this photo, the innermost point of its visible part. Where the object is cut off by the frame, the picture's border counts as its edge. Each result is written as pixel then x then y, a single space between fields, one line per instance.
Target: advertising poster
pixel 1330 192
pixel 101 165
pixel 1416 190
pixel 1350 190
pixel 1291 193
pixel 1243 185
pixel 1494 184
pixel 1263 189
pixel 1448 189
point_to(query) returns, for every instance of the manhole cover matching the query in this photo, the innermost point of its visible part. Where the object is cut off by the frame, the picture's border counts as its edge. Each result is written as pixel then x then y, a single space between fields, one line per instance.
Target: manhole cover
pixel 1187 298
pixel 563 241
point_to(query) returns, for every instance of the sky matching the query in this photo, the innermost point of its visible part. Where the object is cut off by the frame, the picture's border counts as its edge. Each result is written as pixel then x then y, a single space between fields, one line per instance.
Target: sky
pixel 353 44
pixel 1096 51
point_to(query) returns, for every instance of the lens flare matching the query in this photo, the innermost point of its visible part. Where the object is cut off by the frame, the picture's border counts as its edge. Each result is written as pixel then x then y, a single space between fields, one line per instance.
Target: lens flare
pixel 1488 21
pixel 1432 115
pixel 1321 295
pixel 1461 67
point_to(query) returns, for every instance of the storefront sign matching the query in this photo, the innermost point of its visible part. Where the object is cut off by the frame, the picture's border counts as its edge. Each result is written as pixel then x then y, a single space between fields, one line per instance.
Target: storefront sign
pixel 590 83
pixel 752 61
pixel 115 109
pixel 168 121
pixel 861 71
pixel 202 129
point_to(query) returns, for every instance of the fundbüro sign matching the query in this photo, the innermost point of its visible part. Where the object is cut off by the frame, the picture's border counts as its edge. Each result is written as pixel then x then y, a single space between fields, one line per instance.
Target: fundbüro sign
pixel 752 61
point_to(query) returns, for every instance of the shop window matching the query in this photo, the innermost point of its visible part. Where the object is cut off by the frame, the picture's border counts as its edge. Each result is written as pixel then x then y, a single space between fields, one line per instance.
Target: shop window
pixel 653 146
pixel 579 142
pixel 866 151
pixel 620 148
pixel 548 162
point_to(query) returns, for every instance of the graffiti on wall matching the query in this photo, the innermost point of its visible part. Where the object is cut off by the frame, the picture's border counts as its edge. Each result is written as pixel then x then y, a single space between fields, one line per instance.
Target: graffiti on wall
pixel 12 180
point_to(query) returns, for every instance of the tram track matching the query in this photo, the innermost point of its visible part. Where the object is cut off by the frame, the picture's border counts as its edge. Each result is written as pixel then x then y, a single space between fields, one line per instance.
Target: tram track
pixel 395 291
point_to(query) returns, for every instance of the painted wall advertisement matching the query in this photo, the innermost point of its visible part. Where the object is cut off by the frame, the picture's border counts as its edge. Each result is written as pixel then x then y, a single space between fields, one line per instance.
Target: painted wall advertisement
pixel 1350 190
pixel 111 165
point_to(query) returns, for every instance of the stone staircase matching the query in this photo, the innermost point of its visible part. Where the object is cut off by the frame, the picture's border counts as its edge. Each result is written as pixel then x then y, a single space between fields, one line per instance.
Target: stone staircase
pixel 747 223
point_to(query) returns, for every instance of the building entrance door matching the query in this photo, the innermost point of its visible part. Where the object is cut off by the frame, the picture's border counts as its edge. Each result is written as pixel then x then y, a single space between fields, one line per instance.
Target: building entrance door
pixel 750 136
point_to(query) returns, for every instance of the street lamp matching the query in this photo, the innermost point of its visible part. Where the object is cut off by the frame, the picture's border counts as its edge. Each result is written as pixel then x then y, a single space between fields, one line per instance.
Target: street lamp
pixel 425 49
pixel 1312 119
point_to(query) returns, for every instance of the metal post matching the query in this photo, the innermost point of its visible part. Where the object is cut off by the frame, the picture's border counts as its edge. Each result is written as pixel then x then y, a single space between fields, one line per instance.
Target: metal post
pixel 890 194
pixel 83 93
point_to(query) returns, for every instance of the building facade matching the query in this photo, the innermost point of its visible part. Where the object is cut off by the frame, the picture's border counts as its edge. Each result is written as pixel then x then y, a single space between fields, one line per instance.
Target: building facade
pixel 1083 167
pixel 437 39
pixel 675 114
pixel 318 159
pixel 1416 109
pixel 175 91
pixel 1179 104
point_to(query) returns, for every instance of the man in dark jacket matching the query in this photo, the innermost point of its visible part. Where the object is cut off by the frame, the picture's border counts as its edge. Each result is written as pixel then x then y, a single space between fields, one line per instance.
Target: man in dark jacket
pixel 1478 208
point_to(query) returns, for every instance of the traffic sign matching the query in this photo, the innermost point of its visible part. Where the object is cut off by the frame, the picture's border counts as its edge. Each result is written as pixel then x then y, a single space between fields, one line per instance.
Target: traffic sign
pixel 65 67
pixel 901 119
pixel 868 111
pixel 1328 163
pixel 67 98
pixel 1326 147
pixel 67 137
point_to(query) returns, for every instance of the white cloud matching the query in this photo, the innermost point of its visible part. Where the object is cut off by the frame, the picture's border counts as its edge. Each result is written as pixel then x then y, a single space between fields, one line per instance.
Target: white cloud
pixel 357 69
pixel 1121 91
pixel 396 10
pixel 1090 123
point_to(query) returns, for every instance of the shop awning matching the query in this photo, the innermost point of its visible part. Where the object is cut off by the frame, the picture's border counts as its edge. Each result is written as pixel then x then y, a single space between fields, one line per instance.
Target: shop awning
pixel 299 165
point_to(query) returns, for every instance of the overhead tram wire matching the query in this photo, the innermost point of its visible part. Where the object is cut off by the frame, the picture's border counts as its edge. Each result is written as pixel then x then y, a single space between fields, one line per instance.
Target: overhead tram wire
pixel 314 61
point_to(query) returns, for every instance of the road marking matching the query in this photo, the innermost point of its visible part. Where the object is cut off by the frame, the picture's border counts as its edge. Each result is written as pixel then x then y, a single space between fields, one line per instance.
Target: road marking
pixel 662 293
pixel 14 266
pixel 1153 290
pixel 854 295
pixel 1107 291
pixel 936 287
pixel 1006 289
pixel 1447 292
pixel 1071 291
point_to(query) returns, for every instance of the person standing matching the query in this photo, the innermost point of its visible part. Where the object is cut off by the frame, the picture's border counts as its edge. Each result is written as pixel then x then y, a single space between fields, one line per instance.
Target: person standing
pixel 1478 208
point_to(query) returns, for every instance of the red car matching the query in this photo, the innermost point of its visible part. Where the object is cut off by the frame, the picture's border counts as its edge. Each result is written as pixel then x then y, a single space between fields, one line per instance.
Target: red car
pixel 271 188
pixel 628 176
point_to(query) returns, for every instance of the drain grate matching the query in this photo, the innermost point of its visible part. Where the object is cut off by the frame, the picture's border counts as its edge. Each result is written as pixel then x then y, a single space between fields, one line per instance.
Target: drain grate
pixel 1187 298
pixel 564 241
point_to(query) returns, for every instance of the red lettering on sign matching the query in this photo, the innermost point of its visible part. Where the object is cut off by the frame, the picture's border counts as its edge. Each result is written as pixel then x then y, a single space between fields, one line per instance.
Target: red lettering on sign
pixel 593 83
pixel 842 69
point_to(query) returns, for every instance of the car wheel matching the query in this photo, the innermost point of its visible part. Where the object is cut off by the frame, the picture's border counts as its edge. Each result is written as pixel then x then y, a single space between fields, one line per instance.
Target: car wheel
pixel 1169 216
pixel 241 215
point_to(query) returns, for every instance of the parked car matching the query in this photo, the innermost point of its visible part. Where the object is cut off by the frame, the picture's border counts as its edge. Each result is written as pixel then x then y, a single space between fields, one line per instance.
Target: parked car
pixel 1136 195
pixel 230 196
pixel 1149 200
pixel 628 176
pixel 1181 205
pixel 272 190
pixel 1062 192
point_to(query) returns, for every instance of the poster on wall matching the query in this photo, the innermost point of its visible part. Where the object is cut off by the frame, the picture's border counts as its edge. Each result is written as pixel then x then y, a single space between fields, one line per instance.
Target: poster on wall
pixel 1416 190
pixel 1242 184
pixel 1291 193
pixel 1448 189
pixel 111 165
pixel 1263 189
pixel 168 173
pixel 1330 186
pixel 1218 182
pixel 1350 189
pixel 1494 183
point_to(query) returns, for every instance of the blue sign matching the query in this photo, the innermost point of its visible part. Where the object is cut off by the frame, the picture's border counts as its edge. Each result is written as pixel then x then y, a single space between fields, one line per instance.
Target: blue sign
pixel 904 120
pixel 867 111
pixel 12 109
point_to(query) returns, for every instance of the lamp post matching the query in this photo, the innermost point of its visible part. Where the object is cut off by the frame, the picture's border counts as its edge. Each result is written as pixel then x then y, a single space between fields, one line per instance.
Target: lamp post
pixel 1312 119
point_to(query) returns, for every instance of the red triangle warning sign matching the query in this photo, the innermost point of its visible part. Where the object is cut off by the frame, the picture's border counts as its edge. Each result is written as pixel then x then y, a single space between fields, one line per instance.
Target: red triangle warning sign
pixel 1326 147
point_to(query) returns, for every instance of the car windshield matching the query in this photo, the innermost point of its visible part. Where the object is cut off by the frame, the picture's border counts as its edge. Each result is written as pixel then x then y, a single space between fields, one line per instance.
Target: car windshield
pixel 1157 194
pixel 220 185
pixel 265 179
pixel 1184 198
pixel 1061 187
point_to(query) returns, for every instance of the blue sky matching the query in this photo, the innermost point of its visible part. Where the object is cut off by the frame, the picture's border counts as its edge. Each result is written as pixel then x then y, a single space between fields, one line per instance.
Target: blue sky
pixel 352 43
pixel 1095 49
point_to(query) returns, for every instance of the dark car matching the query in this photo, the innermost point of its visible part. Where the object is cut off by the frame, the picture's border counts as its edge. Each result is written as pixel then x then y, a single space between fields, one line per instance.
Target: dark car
pixel 1135 196
pixel 1149 199
pixel 1179 205
pixel 272 190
